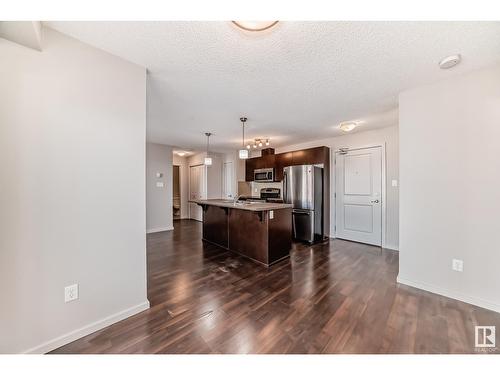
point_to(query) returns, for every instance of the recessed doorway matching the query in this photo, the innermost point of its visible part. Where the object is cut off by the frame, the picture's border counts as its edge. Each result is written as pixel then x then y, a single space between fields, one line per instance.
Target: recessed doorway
pixel 176 192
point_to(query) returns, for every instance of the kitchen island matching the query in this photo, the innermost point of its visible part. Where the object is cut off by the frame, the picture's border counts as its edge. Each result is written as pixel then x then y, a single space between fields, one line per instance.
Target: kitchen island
pixel 259 231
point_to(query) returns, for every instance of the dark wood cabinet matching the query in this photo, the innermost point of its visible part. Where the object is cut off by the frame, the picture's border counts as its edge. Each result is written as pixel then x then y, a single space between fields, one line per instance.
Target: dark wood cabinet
pixel 315 155
pixel 266 161
pixel 281 161
pixel 253 234
pixel 250 166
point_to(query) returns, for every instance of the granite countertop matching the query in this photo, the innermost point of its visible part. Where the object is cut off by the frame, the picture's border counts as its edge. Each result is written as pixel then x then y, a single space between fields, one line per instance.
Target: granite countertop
pixel 249 206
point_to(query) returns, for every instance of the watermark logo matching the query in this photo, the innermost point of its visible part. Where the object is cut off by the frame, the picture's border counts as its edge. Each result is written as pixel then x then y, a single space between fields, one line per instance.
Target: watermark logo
pixel 485 337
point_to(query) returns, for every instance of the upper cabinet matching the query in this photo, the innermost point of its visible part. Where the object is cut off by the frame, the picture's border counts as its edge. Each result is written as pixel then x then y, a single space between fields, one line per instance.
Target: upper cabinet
pixel 282 160
pixel 249 168
pixel 316 155
pixel 266 161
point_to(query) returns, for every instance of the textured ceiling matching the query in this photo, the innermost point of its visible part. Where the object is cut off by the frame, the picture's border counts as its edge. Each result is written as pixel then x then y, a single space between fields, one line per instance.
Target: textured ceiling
pixel 295 82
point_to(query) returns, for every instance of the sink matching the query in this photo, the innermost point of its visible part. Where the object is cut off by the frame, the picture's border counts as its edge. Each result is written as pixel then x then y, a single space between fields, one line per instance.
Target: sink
pixel 244 203
pixel 238 203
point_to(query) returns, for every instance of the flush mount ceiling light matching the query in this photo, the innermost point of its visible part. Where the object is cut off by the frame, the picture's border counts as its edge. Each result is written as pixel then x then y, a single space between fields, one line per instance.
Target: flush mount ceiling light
pixel 208 160
pixel 243 153
pixel 450 61
pixel 255 25
pixel 347 126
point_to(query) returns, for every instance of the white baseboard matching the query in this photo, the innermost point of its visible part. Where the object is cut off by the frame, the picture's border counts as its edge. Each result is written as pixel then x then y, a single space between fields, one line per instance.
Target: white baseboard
pixel 384 247
pixel 162 229
pixel 391 248
pixel 451 294
pixel 87 330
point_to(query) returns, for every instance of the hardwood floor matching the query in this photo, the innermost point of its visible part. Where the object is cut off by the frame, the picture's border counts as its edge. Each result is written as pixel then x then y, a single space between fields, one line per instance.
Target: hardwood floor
pixel 338 297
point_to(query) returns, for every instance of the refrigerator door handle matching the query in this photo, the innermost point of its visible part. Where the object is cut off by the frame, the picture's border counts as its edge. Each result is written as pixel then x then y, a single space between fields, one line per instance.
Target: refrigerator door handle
pixel 285 187
pixel 308 213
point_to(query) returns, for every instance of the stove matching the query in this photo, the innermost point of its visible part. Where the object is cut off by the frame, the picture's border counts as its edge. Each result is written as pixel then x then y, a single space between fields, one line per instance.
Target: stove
pixel 271 195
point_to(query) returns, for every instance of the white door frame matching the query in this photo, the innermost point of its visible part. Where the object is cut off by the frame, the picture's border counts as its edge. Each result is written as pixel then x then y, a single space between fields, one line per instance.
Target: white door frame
pixel 382 145
pixel 189 185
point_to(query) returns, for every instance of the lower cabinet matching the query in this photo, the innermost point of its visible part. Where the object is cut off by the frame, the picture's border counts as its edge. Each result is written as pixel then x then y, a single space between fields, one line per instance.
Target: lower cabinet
pixel 215 220
pixel 252 234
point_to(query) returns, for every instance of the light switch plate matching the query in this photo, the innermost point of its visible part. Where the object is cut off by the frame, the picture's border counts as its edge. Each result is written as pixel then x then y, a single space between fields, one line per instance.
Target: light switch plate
pixel 394 183
pixel 160 184
pixel 457 265
pixel 159 175
pixel 71 293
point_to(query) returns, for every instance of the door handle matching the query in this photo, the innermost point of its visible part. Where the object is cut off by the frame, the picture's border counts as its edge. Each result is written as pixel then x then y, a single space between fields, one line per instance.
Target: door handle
pixel 301 213
pixel 375 201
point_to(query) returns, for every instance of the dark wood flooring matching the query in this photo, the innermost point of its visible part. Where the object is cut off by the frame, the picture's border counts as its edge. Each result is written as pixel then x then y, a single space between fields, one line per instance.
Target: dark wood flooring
pixel 337 297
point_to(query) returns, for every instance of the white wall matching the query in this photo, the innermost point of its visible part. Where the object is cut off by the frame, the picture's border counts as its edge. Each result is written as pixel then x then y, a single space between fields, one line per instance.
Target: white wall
pixel 450 187
pixel 239 168
pixel 387 136
pixel 214 177
pixel 181 161
pixel 72 154
pixel 159 204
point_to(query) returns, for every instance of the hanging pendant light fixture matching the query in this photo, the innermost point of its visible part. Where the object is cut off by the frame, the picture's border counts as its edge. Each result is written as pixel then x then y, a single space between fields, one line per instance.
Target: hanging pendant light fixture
pixel 244 151
pixel 208 159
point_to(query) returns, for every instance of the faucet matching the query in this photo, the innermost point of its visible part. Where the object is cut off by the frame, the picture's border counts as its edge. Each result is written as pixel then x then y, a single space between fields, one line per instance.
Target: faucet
pixel 236 198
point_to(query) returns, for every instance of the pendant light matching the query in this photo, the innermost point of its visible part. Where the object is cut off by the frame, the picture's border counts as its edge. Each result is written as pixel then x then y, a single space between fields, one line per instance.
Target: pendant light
pixel 208 160
pixel 243 152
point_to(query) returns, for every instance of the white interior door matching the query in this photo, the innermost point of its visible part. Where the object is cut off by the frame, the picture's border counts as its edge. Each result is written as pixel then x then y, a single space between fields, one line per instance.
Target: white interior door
pixel 228 180
pixel 197 190
pixel 358 207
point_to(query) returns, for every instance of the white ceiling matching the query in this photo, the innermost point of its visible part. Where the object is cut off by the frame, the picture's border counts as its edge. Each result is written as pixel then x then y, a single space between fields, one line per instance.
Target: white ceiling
pixel 295 82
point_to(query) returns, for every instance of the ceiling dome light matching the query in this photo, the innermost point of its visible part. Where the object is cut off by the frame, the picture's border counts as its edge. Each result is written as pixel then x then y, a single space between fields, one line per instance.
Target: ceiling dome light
pixel 450 61
pixel 255 25
pixel 347 126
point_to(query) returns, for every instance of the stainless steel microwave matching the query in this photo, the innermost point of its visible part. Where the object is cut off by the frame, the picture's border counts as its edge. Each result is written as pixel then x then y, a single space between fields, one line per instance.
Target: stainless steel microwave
pixel 263 175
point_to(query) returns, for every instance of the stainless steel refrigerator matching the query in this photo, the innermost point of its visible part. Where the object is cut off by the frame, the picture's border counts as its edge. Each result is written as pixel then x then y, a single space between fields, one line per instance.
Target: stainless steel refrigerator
pixel 303 187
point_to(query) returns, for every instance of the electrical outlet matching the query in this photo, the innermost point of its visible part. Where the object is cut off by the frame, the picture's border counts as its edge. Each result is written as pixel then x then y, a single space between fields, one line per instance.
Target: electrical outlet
pixel 394 183
pixel 71 293
pixel 271 214
pixel 457 265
